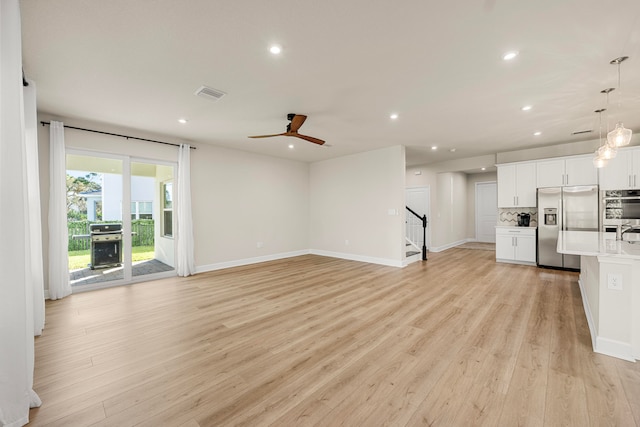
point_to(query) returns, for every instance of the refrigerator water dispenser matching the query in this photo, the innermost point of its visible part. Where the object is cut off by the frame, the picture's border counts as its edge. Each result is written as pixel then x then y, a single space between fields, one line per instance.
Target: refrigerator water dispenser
pixel 551 216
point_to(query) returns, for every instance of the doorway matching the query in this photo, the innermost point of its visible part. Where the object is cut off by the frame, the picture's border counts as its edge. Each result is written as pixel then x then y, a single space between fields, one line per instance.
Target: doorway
pixel 418 199
pixel 115 219
pixel 486 211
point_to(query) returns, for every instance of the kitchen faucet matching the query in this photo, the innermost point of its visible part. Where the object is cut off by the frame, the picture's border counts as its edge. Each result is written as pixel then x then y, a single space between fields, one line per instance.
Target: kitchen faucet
pixel 621 229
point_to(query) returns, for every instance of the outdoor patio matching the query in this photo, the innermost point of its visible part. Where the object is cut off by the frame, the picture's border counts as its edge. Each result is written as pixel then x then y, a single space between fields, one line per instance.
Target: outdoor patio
pixel 86 276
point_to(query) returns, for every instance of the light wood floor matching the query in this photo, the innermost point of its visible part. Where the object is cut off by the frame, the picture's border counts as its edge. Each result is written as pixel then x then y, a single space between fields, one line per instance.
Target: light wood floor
pixel 455 341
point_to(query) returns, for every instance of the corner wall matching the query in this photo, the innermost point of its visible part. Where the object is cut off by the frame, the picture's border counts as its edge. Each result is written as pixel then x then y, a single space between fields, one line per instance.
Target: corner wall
pixel 357 206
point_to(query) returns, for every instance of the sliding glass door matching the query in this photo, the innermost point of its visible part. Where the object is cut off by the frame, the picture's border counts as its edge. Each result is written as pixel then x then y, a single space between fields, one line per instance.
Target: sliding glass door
pixel 119 219
pixel 152 243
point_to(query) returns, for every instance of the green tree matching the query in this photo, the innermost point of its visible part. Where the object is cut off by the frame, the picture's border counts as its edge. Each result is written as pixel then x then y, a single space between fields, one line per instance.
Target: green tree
pixel 76 202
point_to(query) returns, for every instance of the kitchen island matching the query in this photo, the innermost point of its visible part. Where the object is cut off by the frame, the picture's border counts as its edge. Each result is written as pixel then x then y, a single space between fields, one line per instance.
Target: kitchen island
pixel 610 287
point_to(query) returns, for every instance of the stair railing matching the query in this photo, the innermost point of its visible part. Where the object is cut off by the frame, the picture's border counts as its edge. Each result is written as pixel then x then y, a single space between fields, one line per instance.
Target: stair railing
pixel 413 217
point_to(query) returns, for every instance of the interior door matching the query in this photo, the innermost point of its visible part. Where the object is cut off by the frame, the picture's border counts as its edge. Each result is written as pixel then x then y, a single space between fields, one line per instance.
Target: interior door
pixel 486 211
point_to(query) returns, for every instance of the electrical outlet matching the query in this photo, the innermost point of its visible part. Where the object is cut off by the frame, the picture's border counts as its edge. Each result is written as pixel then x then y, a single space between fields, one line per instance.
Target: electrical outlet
pixel 259 245
pixel 346 243
pixel 614 281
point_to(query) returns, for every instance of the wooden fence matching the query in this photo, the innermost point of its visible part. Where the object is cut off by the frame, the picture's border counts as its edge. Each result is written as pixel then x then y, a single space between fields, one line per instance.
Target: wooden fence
pixel 142 233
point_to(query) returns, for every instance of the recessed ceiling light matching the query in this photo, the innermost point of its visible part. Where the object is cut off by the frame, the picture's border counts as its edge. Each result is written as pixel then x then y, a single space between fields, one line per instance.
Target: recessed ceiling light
pixel 434 147
pixel 484 169
pixel 510 55
pixel 275 49
pixel 291 146
pixel 453 150
pixel 183 121
pixel 537 133
pixel 526 108
pixel 393 116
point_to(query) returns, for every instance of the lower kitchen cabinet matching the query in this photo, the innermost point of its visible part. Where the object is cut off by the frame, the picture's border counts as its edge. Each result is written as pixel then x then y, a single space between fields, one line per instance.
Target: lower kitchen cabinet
pixel 516 245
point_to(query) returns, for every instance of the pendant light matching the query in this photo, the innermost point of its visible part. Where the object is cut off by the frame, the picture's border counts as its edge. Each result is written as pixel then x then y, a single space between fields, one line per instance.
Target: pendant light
pixel 606 150
pixel 619 136
pixel 601 158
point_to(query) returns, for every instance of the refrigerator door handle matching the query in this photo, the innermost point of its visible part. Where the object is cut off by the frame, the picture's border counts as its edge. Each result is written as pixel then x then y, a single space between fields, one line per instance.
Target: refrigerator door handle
pixel 561 217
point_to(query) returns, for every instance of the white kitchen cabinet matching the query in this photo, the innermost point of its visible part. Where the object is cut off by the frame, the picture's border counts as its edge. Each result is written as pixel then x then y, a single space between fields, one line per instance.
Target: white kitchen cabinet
pixel 516 245
pixel 517 185
pixel 569 171
pixel 550 173
pixel 622 172
pixel 580 171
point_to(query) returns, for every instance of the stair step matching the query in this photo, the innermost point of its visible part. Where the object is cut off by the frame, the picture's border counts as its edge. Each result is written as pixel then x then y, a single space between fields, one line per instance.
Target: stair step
pixel 411 253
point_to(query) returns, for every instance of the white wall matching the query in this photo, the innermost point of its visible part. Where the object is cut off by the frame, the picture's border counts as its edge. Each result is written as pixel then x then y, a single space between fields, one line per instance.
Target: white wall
pixel 450 210
pixel 350 201
pixel 242 199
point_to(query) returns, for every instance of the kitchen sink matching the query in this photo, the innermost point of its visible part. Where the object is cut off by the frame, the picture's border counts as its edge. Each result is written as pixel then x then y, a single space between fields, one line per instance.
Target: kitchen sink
pixel 632 235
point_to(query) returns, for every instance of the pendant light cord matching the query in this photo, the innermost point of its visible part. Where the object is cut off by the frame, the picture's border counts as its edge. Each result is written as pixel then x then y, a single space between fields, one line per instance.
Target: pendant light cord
pixel 619 90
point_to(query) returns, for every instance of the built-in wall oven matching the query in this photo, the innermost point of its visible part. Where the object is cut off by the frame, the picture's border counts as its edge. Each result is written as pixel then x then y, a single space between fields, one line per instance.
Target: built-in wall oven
pixel 620 207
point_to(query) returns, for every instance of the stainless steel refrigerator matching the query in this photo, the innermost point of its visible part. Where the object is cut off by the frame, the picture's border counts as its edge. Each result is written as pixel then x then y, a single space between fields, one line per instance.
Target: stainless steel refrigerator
pixel 564 209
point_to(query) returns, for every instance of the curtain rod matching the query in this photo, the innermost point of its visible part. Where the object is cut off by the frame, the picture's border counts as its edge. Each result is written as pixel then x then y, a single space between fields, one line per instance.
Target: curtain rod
pixel 121 136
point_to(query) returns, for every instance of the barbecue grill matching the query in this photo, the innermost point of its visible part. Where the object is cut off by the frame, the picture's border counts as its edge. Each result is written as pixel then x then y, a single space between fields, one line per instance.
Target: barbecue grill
pixel 106 245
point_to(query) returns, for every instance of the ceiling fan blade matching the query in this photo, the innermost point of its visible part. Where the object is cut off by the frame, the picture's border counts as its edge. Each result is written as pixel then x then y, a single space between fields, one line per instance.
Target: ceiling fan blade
pixel 296 122
pixel 268 136
pixel 310 139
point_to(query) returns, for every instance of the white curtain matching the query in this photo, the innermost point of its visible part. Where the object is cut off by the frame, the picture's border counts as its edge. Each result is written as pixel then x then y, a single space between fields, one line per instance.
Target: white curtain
pixel 185 264
pixel 33 194
pixel 59 286
pixel 16 287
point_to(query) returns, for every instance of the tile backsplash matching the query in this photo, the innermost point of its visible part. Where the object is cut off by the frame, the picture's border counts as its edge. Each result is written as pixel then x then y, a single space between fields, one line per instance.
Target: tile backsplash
pixel 509 216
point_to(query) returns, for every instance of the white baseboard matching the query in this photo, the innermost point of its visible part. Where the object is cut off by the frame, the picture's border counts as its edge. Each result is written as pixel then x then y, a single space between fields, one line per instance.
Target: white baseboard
pixel 448 246
pixel 248 261
pixel 362 258
pixel 614 348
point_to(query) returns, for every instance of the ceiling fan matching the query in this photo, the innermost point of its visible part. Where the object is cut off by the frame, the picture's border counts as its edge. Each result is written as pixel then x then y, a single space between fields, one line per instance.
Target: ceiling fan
pixel 292 129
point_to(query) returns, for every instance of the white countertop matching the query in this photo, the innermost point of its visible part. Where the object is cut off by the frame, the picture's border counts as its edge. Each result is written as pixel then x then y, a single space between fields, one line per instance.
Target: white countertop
pixel 594 243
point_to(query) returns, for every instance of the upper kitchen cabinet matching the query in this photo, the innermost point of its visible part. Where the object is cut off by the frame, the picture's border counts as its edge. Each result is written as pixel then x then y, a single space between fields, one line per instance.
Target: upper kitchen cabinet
pixel 568 171
pixel 517 185
pixel 622 172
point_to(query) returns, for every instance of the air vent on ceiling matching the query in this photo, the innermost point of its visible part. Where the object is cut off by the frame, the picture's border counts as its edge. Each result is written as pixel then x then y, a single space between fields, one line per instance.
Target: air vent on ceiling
pixel 210 93
pixel 578 132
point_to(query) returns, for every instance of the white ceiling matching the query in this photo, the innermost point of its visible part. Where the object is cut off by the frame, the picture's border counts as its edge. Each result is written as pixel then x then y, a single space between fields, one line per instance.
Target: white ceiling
pixel 347 64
